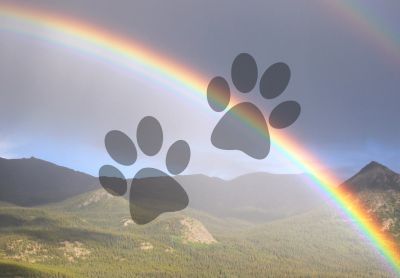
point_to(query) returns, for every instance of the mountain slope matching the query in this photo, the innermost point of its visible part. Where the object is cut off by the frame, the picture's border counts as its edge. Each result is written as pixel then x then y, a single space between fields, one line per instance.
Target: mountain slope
pixel 374 177
pixel 378 189
pixel 33 181
pixel 93 241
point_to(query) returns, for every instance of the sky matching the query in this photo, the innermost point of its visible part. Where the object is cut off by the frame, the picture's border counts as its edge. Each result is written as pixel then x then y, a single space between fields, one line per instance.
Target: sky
pixel 57 104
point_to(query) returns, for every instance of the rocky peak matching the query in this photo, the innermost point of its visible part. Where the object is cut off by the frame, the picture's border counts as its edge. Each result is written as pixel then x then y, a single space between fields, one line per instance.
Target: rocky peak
pixel 374 176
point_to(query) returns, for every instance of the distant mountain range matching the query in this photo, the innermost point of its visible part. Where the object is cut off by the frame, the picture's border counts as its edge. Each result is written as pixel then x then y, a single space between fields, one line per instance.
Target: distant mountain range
pixel 256 197
pixel 253 197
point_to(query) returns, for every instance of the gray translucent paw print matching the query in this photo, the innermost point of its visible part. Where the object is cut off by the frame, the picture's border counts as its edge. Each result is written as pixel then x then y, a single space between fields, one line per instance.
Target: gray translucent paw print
pixel 152 191
pixel 243 127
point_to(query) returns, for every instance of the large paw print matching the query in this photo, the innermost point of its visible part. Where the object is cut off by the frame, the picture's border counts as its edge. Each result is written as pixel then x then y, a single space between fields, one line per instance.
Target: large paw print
pixel 152 191
pixel 243 127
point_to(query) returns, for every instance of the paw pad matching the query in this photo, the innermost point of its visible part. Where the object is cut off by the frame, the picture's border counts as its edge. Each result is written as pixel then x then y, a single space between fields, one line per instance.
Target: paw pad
pixel 152 191
pixel 250 134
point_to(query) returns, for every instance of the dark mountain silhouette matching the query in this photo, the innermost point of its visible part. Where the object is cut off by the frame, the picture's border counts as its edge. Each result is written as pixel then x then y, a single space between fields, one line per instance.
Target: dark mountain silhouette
pixel 375 177
pixel 32 181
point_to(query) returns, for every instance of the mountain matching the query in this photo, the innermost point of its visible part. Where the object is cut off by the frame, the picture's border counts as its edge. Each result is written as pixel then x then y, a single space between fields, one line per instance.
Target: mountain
pixel 378 189
pixel 32 181
pixel 374 177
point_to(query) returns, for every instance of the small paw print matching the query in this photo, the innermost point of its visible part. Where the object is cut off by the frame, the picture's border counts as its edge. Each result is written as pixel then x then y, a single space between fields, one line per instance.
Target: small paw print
pixel 152 191
pixel 244 127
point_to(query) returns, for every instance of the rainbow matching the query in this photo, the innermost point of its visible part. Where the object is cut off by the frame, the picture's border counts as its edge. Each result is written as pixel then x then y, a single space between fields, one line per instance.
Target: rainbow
pixel 130 54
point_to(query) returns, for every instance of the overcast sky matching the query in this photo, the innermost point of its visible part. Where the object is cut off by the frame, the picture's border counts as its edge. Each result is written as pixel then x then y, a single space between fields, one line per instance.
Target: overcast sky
pixel 57 104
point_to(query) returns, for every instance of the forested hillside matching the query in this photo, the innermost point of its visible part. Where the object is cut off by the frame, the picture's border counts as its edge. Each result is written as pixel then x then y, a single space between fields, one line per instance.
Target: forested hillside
pixel 93 236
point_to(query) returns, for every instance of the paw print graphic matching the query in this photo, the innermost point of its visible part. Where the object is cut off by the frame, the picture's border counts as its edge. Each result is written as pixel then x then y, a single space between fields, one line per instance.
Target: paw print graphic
pixel 243 127
pixel 152 191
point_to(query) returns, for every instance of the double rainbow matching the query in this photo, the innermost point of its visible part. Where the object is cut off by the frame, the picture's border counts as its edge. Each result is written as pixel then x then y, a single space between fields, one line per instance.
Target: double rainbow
pixel 354 15
pixel 108 47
